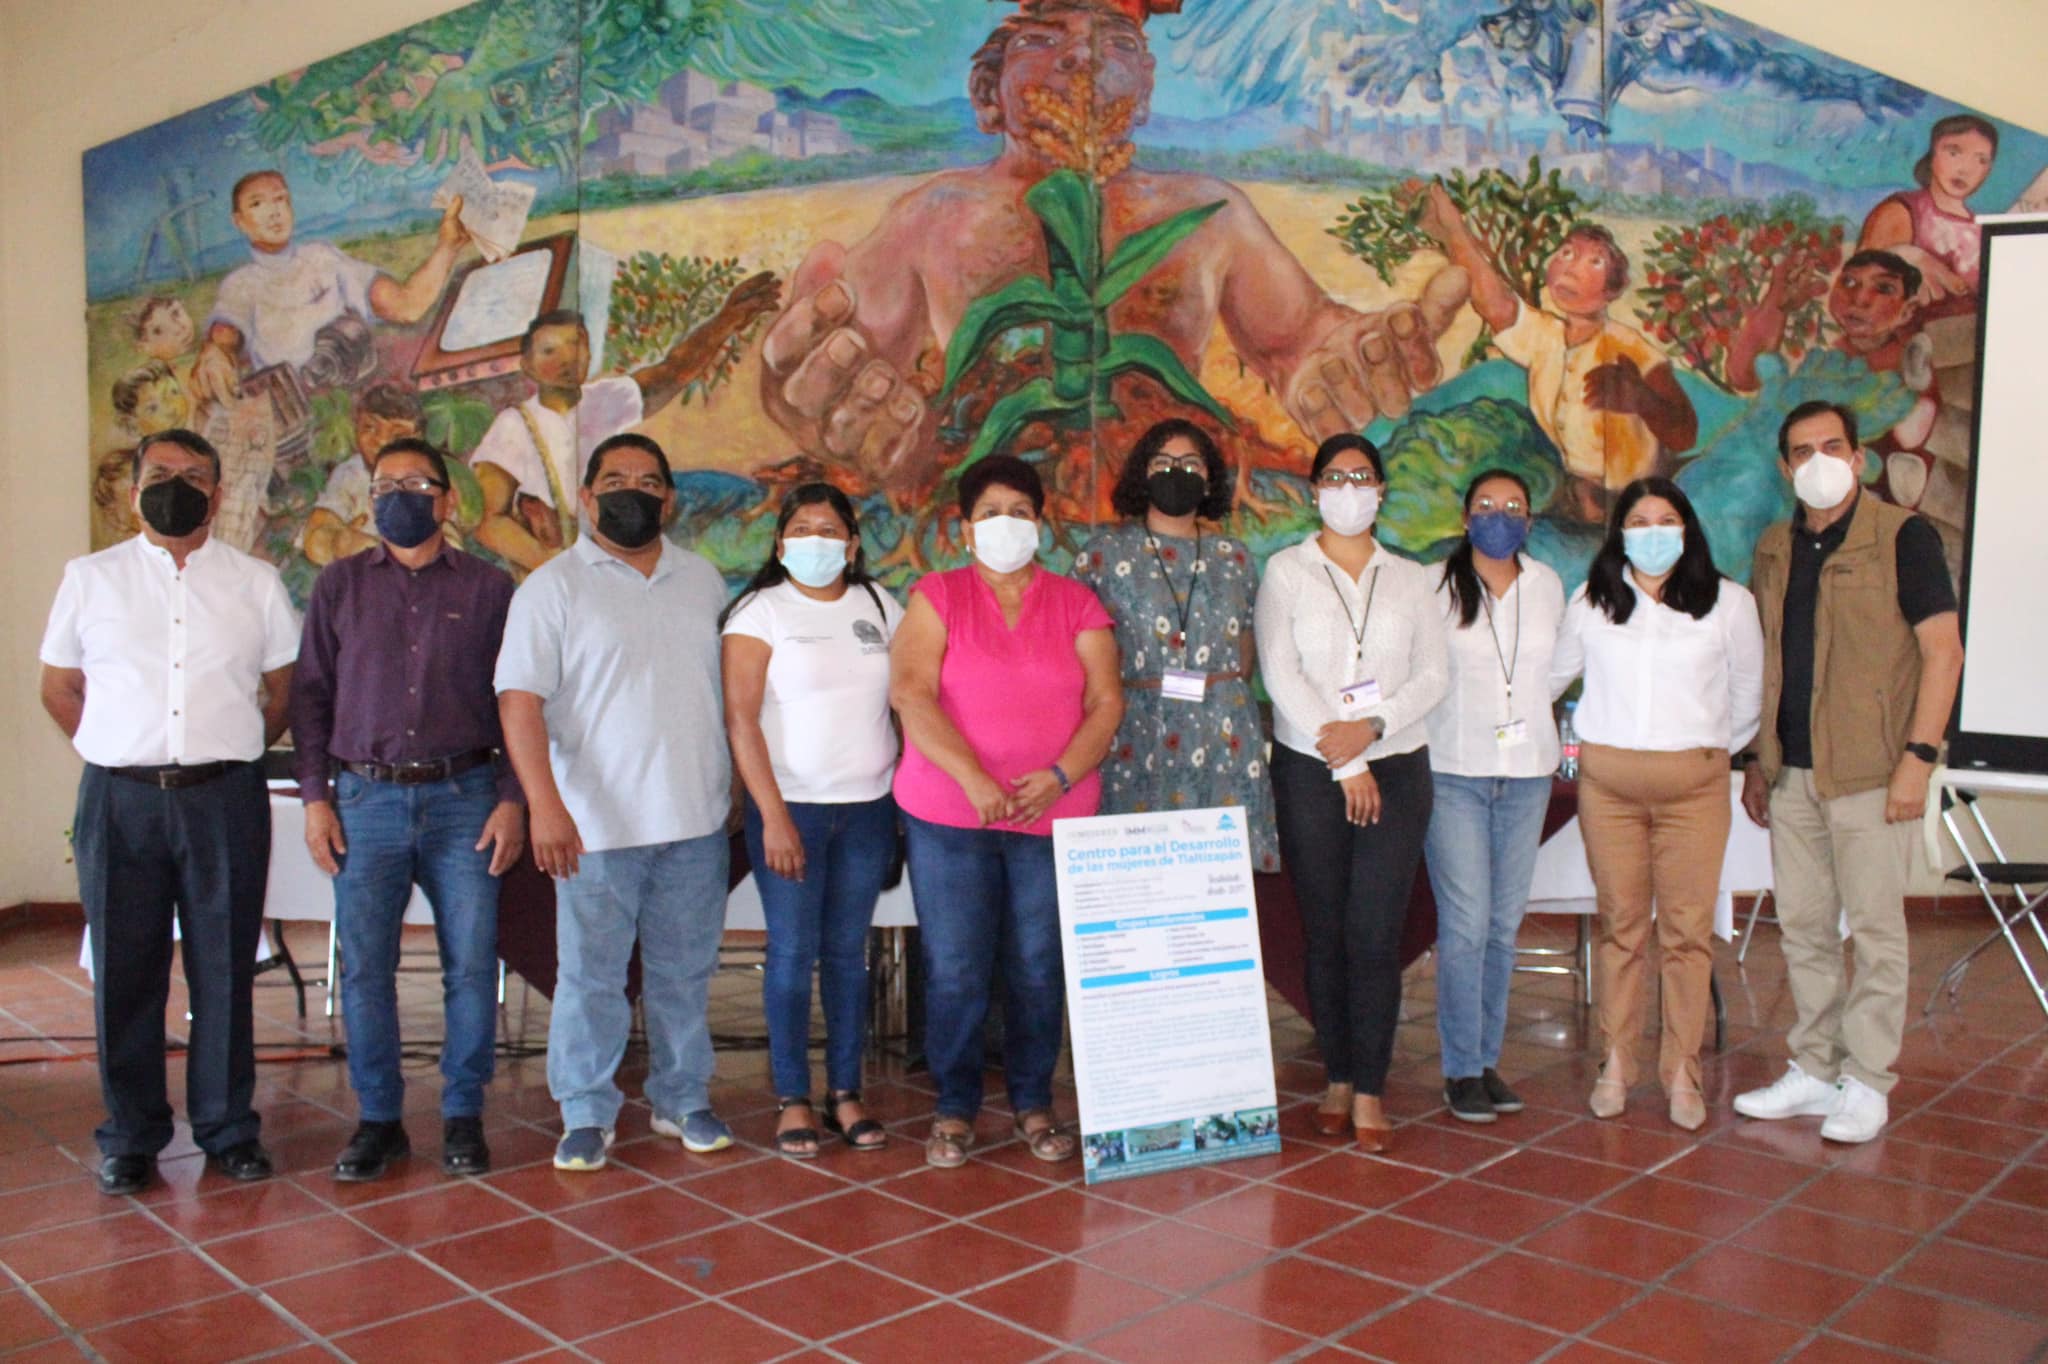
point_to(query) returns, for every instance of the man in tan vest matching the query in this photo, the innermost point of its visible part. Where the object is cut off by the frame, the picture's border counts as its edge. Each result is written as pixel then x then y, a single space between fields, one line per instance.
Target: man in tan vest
pixel 1861 658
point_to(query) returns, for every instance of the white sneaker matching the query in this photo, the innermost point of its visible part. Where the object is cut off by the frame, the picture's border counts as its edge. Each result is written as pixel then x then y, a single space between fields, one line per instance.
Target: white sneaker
pixel 1795 1094
pixel 1860 1113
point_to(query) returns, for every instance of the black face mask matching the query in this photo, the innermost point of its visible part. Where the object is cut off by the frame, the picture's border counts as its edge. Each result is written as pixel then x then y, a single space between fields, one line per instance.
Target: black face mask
pixel 1176 492
pixel 628 517
pixel 174 508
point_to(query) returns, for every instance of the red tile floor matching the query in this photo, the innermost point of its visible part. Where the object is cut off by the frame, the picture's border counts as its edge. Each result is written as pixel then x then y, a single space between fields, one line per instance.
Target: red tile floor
pixel 1546 1236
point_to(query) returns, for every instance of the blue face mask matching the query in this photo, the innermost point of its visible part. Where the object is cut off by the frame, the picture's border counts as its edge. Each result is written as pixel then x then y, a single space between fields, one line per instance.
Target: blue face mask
pixel 1498 535
pixel 406 519
pixel 1653 550
pixel 816 561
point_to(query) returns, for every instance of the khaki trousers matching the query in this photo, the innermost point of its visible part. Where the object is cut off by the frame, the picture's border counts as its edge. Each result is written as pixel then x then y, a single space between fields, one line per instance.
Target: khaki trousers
pixel 1829 857
pixel 1656 827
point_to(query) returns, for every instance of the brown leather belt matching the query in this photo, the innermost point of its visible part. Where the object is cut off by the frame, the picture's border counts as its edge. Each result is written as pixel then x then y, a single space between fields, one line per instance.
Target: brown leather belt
pixel 422 773
pixel 175 776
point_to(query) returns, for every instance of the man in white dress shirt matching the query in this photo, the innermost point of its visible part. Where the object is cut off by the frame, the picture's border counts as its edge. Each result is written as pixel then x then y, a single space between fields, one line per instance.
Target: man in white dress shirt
pixel 167 663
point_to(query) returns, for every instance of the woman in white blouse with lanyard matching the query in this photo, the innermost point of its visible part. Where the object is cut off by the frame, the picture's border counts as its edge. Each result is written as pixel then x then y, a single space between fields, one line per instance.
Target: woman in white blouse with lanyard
pixel 1673 658
pixel 1352 650
pixel 1493 748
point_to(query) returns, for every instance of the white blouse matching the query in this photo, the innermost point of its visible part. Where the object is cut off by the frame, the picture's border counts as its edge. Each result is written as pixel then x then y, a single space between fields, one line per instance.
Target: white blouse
pixel 1308 616
pixel 1500 676
pixel 1664 682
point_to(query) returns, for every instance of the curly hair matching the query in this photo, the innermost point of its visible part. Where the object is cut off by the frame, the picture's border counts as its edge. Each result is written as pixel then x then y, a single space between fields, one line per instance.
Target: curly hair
pixel 1130 498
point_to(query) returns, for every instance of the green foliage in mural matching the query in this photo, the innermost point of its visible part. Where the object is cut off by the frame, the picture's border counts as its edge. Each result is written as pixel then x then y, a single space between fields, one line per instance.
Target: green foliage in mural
pixel 1431 456
pixel 1073 307
pixel 658 299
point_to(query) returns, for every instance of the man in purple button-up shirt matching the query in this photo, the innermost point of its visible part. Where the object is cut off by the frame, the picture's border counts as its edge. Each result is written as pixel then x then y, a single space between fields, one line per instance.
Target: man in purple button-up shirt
pixel 401 770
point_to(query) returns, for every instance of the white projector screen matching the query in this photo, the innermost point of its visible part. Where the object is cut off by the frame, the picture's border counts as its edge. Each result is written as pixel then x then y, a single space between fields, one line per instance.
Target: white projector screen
pixel 2002 715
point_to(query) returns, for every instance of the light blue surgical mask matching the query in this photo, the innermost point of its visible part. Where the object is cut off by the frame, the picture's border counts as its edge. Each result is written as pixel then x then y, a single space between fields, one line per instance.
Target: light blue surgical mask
pixel 816 561
pixel 1653 550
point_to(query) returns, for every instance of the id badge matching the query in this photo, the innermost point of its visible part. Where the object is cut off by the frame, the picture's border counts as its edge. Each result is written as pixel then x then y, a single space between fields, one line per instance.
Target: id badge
pixel 1181 685
pixel 1511 734
pixel 1359 695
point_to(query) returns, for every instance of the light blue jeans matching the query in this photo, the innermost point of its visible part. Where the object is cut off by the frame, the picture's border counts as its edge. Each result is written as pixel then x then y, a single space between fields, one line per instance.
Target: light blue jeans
pixel 1481 847
pixel 671 896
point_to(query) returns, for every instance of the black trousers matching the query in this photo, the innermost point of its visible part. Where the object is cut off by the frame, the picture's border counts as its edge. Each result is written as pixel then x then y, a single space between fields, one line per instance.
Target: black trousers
pixel 201 853
pixel 1352 884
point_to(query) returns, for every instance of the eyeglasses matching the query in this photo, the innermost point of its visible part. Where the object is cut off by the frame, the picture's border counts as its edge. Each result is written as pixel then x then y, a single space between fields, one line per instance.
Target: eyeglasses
pixel 417 483
pixel 1183 464
pixel 1486 505
pixel 1357 478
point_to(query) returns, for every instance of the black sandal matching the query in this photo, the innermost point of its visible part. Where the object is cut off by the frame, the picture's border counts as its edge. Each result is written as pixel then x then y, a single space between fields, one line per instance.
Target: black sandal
pixel 855 1135
pixel 792 1141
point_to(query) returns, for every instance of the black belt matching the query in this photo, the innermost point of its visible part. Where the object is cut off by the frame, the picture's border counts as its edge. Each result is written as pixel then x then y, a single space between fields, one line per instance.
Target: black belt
pixel 422 773
pixel 175 776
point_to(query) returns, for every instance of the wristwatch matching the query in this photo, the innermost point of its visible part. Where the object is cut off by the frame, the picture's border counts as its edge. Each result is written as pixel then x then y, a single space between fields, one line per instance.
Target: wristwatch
pixel 1926 753
pixel 1059 774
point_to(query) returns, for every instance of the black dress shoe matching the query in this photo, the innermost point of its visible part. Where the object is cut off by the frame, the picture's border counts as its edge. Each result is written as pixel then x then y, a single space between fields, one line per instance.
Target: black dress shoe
pixel 125 1174
pixel 1467 1097
pixel 1503 1099
pixel 463 1149
pixel 370 1151
pixel 244 1161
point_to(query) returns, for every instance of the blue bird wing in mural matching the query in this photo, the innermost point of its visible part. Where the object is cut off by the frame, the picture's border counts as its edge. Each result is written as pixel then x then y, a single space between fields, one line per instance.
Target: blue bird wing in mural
pixel 1674 46
pixel 1252 53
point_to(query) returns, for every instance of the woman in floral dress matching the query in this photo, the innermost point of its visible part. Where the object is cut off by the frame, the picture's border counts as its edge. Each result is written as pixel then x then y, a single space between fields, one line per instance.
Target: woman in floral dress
pixel 1182 597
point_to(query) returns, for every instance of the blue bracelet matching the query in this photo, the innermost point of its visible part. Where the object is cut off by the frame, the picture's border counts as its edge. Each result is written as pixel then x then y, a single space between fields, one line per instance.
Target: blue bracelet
pixel 1059 775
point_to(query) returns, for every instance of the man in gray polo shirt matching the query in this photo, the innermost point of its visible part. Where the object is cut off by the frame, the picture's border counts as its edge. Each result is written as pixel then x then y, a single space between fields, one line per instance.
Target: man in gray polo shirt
pixel 608 687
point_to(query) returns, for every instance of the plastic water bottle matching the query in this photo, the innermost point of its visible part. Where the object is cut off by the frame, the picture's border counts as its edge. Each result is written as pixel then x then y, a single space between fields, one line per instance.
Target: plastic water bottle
pixel 1568 741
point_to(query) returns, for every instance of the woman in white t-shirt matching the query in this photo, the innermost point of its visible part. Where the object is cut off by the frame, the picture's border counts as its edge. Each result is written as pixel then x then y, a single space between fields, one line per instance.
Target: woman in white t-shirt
pixel 806 661
pixel 1492 750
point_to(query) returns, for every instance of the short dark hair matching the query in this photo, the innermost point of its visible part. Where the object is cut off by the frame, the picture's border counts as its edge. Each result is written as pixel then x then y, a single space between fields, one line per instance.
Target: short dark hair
pixel 626 440
pixel 190 441
pixel 1130 498
pixel 1337 445
pixel 553 317
pixel 1907 276
pixel 127 391
pixel 413 445
pixel 392 401
pixel 1694 585
pixel 149 309
pixel 1617 259
pixel 1815 408
pixel 235 194
pixel 1001 471
pixel 1923 169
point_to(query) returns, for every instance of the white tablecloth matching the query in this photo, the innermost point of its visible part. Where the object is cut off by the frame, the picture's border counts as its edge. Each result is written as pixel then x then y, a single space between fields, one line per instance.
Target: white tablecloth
pixel 1563 884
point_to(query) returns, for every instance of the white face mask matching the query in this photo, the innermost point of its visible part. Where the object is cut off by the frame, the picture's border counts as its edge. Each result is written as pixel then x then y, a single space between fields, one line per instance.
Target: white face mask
pixel 1005 544
pixel 1349 510
pixel 1823 481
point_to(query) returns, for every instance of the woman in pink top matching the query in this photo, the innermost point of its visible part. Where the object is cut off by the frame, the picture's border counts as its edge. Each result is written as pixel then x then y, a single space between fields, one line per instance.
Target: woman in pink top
pixel 1931 228
pixel 1006 680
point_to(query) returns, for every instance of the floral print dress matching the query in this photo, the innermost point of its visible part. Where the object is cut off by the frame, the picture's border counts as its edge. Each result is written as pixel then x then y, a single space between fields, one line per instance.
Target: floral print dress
pixel 1168 754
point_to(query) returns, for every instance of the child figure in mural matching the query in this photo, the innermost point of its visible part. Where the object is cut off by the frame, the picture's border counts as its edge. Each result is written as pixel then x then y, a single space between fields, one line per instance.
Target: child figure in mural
pixel 341 522
pixel 848 369
pixel 530 462
pixel 1931 228
pixel 149 399
pixel 271 310
pixel 163 329
pixel 1602 391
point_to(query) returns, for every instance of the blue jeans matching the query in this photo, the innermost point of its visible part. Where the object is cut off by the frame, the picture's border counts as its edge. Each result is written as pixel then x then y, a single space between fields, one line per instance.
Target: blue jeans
pixel 671 897
pixel 821 922
pixel 1482 857
pixel 398 835
pixel 985 895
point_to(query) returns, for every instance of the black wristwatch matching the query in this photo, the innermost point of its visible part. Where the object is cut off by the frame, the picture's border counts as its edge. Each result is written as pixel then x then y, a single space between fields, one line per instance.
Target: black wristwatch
pixel 1926 753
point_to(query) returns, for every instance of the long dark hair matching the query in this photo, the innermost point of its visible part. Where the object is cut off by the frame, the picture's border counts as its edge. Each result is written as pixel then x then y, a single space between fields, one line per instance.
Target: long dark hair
pixel 772 573
pixel 1459 574
pixel 1337 445
pixel 1694 585
pixel 1130 497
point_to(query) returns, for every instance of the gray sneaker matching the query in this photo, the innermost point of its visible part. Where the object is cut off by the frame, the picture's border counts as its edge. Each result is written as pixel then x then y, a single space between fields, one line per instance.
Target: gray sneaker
pixel 583 1148
pixel 701 1131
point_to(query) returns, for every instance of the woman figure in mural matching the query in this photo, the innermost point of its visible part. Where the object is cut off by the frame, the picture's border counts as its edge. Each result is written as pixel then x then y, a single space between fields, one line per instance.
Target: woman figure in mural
pixel 849 367
pixel 1602 391
pixel 1931 227
pixel 1182 596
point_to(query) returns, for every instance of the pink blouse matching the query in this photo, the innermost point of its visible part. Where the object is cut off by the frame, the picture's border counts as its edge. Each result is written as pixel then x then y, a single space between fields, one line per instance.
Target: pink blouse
pixel 1014 694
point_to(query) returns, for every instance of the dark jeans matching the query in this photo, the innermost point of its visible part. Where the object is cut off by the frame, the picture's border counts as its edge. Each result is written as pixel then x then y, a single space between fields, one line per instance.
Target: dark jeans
pixel 821 923
pixel 201 853
pixel 1353 884
pixel 397 835
pixel 983 896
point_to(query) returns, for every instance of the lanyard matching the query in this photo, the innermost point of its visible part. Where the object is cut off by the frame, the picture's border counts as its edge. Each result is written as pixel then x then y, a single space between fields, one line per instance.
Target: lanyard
pixel 1508 662
pixel 1181 605
pixel 1357 627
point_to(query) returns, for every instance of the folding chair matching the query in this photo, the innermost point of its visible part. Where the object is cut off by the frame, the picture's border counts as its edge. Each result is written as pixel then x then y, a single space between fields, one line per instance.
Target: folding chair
pixel 2028 881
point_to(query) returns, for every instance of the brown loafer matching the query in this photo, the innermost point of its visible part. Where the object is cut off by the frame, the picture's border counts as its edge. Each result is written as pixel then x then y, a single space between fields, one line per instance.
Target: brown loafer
pixel 1331 1124
pixel 1374 1141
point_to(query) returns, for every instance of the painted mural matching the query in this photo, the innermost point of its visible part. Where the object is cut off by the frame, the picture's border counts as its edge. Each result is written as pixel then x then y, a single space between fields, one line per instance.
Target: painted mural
pixel 874 241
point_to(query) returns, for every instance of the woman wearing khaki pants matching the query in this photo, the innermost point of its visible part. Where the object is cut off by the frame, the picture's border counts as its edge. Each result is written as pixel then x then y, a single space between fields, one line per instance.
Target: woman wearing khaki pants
pixel 1673 659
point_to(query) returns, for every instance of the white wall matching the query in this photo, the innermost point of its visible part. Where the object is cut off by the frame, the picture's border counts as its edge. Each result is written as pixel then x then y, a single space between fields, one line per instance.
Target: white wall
pixel 74 73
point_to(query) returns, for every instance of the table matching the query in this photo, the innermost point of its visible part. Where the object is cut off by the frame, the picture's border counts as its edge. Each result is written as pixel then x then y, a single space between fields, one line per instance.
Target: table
pixel 1951 787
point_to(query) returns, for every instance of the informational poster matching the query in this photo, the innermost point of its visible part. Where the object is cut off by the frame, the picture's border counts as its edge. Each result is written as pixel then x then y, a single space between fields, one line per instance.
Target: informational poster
pixel 1166 995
